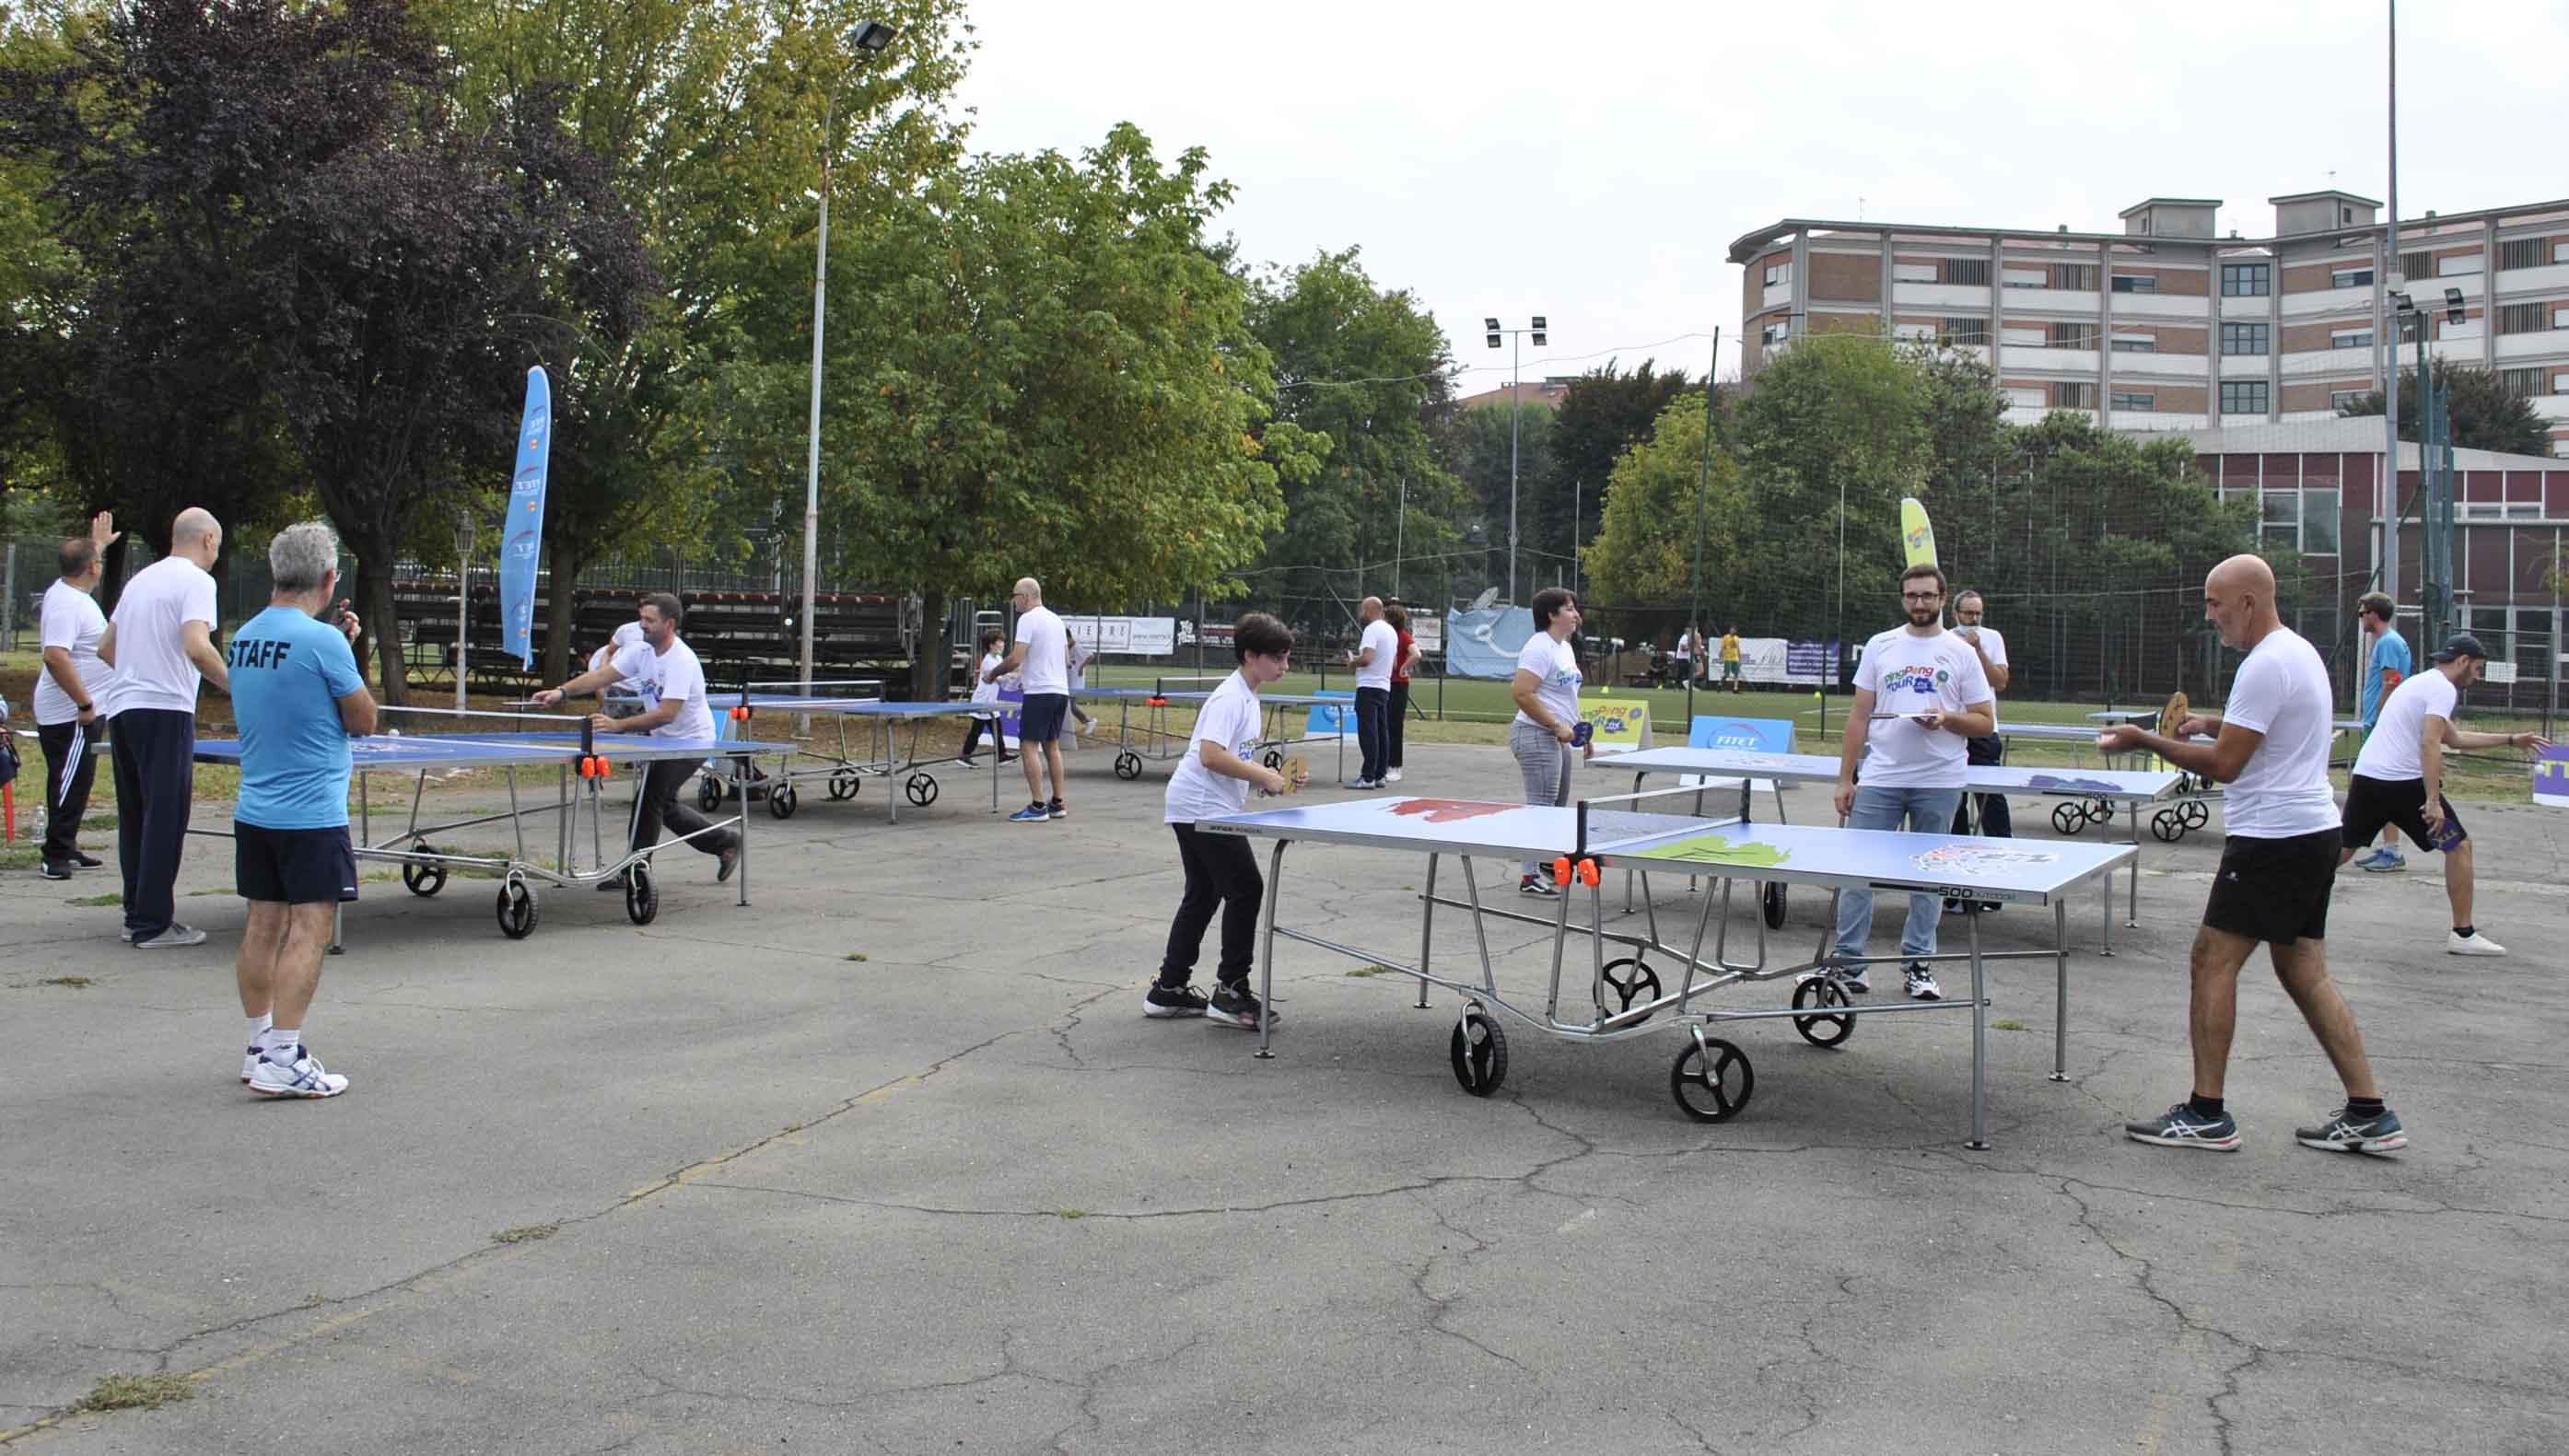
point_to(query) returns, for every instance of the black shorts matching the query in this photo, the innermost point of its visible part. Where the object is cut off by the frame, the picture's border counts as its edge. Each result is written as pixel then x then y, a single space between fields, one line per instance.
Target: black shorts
pixel 1039 717
pixel 2276 891
pixel 2372 803
pixel 293 866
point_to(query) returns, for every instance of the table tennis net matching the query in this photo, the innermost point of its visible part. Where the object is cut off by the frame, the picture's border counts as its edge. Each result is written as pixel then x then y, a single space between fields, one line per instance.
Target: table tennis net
pixel 1602 831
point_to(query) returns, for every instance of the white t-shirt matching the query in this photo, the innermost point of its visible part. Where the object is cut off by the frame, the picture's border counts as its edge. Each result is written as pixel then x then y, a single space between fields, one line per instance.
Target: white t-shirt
pixel 1234 718
pixel 153 669
pixel 1993 648
pixel 1555 665
pixel 2395 749
pixel 987 692
pixel 1046 667
pixel 73 622
pixel 2283 692
pixel 1907 673
pixel 1384 642
pixel 1080 655
pixel 625 636
pixel 676 674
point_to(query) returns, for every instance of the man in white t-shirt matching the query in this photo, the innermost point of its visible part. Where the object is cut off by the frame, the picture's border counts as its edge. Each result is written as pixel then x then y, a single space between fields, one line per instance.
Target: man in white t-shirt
pixel 623 697
pixel 2398 778
pixel 2278 864
pixel 162 644
pixel 1990 647
pixel 1041 659
pixel 670 683
pixel 1918 696
pixel 70 716
pixel 1214 779
pixel 1377 653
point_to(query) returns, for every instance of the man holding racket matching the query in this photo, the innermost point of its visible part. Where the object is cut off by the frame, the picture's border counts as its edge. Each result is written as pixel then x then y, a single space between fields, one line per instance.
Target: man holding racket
pixel 2277 866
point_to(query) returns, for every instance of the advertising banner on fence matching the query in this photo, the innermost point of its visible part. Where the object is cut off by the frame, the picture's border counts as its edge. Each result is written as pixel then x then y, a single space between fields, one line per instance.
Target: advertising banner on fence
pixel 2551 777
pixel 1427 631
pixel 1335 718
pixel 1774 659
pixel 521 534
pixel 1130 636
pixel 1622 725
pixel 1485 643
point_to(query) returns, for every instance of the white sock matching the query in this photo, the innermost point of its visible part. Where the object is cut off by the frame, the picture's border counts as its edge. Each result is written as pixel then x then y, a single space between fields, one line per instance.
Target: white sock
pixel 278 1043
pixel 258 1028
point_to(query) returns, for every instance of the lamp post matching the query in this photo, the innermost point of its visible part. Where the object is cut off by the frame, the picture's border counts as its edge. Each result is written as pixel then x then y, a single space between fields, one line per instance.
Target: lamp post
pixel 2434 485
pixel 866 39
pixel 1516 358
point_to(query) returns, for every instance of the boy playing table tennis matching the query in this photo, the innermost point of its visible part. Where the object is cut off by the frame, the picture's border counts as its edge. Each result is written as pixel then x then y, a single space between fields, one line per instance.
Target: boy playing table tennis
pixel 1212 779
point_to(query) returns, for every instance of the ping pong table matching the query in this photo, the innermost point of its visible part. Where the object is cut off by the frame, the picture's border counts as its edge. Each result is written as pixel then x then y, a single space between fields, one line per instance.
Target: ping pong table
pixel 2130 789
pixel 1711 1079
pixel 574 750
pixel 844 772
pixel 1159 742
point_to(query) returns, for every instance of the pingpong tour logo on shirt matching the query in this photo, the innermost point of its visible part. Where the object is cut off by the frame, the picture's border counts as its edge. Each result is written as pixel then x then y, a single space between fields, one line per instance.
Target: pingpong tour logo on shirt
pixel 258 652
pixel 1915 679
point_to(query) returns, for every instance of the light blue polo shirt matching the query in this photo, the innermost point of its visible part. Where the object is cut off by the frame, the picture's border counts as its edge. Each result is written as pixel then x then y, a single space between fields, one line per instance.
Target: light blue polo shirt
pixel 288 673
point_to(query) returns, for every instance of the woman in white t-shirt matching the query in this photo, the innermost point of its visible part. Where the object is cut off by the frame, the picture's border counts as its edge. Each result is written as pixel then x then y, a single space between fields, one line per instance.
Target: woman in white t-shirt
pixel 986 691
pixel 1212 779
pixel 1547 693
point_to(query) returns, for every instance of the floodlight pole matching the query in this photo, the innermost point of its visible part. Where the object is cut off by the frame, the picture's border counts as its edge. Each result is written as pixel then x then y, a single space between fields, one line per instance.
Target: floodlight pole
pixel 1516 354
pixel 2391 355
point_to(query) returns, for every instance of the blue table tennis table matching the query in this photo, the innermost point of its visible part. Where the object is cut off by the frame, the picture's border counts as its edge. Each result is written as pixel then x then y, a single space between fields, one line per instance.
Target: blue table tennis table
pixel 1158 742
pixel 425 864
pixel 844 772
pixel 2127 788
pixel 1711 1079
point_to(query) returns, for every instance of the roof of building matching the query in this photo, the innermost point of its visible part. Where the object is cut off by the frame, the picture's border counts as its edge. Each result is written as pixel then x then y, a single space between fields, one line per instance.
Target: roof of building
pixel 1748 245
pixel 2149 202
pixel 2327 192
pixel 2358 435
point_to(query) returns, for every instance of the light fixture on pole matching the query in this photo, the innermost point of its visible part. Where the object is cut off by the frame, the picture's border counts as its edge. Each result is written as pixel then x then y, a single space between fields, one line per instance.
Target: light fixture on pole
pixel 868 38
pixel 1516 358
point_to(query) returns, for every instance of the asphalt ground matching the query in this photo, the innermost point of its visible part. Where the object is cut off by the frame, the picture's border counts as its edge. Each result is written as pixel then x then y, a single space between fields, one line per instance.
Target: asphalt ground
pixel 892 1161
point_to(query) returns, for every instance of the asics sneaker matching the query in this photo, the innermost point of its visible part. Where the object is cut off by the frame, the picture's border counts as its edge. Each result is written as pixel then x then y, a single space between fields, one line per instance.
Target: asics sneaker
pixel 304 1079
pixel 2182 1127
pixel 2381 1133
pixel 1031 814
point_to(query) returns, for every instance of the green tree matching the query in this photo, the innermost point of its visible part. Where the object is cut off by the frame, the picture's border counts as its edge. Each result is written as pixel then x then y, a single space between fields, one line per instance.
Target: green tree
pixel 1365 369
pixel 2486 414
pixel 1603 413
pixel 1641 569
pixel 1475 444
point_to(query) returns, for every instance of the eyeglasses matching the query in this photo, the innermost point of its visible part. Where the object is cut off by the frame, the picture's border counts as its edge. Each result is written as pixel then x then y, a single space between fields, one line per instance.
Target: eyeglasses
pixel 1922 595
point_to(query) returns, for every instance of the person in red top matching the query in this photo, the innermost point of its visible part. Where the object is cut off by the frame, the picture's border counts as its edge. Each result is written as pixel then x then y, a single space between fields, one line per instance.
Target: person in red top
pixel 1403 658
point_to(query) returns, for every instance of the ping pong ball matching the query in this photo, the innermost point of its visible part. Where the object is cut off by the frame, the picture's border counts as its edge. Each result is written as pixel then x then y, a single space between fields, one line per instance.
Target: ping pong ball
pixel 392 732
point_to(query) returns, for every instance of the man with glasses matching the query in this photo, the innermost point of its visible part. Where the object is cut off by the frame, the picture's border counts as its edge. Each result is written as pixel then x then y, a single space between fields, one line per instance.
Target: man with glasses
pixel 1920 695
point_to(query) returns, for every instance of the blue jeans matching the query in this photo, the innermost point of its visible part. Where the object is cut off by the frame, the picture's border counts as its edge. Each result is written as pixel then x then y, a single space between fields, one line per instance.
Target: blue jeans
pixel 1919 810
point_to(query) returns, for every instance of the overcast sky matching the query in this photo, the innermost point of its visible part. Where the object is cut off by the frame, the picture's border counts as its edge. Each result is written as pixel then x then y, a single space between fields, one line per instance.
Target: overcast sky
pixel 1592 163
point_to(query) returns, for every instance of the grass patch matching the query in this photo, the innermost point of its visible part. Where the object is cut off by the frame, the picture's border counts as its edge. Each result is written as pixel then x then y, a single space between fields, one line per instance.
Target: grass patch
pixel 137 1393
pixel 94 901
pixel 2009 1024
pixel 74 982
pixel 859 956
pixel 526 1233
pixel 20 857
pixel 1364 970
pixel 1070 1213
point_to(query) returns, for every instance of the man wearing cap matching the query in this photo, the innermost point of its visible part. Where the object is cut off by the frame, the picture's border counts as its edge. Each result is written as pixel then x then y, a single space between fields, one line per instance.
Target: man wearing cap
pixel 2398 778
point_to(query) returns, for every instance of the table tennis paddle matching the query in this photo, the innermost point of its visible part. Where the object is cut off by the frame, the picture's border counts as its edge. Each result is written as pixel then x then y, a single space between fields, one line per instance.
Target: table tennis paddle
pixel 1297 773
pixel 2173 716
pixel 1583 735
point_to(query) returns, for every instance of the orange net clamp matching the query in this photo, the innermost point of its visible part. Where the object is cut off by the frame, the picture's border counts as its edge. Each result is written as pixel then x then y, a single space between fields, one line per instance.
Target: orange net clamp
pixel 1561 871
pixel 1588 872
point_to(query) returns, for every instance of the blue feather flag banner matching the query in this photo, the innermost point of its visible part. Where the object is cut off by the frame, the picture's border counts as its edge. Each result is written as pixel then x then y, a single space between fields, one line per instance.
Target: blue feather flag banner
pixel 521 536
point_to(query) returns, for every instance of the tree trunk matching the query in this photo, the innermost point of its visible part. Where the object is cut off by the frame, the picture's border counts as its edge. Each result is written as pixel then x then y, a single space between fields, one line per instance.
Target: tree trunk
pixel 375 606
pixel 563 564
pixel 931 665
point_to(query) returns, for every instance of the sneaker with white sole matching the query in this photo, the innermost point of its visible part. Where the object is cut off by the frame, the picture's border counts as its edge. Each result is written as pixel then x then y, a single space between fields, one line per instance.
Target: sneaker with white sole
pixel 1391 776
pixel 171 937
pixel 1920 982
pixel 249 1063
pixel 2381 1133
pixel 1031 814
pixel 2382 861
pixel 1161 1004
pixel 1536 884
pixel 2473 943
pixel 1233 1005
pixel 305 1078
pixel 1055 810
pixel 2182 1127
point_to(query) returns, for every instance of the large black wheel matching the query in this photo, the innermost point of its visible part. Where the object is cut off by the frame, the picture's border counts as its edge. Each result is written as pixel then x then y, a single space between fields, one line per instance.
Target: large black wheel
pixel 1631 981
pixel 2195 813
pixel 1821 990
pixel 920 789
pixel 1711 1080
pixel 641 894
pixel 423 878
pixel 1479 1052
pixel 844 784
pixel 2069 818
pixel 1770 900
pixel 781 800
pixel 709 793
pixel 1128 765
pixel 516 909
pixel 2168 824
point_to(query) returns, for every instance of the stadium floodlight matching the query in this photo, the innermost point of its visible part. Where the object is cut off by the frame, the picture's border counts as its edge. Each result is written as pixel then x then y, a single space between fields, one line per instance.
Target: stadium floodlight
pixel 2452 305
pixel 1516 359
pixel 871 35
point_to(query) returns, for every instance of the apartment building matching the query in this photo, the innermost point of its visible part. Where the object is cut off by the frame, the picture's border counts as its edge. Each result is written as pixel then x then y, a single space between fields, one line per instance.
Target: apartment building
pixel 2169 325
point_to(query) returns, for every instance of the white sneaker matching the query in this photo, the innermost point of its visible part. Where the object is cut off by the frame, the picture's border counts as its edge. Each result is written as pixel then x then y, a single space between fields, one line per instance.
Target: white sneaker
pixel 2473 943
pixel 1391 776
pixel 303 1079
pixel 1921 984
pixel 249 1063
pixel 174 936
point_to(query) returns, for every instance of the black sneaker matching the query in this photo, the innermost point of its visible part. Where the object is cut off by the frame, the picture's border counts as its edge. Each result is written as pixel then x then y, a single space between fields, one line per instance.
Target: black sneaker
pixel 1233 1005
pixel 86 862
pixel 1536 884
pixel 52 871
pixel 1056 809
pixel 1164 1002
pixel 2381 1133
pixel 1920 982
pixel 2182 1127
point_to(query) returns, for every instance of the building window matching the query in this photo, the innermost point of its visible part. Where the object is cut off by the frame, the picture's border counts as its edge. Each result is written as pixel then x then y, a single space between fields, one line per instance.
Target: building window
pixel 2074 336
pixel 2351 339
pixel 2136 403
pixel 2136 284
pixel 1966 331
pixel 2524 252
pixel 1779 273
pixel 2415 265
pixel 2318 523
pixel 2523 318
pixel 2458 263
pixel 2342 400
pixel 1969 272
pixel 2527 383
pixel 2025 278
pixel 2280 523
pixel 2243 338
pixel 1776 333
pixel 2243 397
pixel 2074 276
pixel 2135 344
pixel 2351 278
pixel 2073 396
pixel 2245 280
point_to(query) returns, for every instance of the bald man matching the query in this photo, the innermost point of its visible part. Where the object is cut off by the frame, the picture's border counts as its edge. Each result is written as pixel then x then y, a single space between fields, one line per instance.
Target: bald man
pixel 1042 658
pixel 162 644
pixel 1377 653
pixel 2277 866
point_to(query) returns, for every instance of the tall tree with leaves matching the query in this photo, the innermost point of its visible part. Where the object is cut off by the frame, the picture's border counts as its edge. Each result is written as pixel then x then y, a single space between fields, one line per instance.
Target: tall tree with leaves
pixel 1606 412
pixel 1661 498
pixel 2486 414
pixel 1479 445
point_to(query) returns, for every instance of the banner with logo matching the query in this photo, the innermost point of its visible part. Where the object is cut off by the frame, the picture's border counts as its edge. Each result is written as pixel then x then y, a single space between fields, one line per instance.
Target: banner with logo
pixel 1130 636
pixel 1741 735
pixel 1335 718
pixel 522 534
pixel 2551 777
pixel 1485 643
pixel 1620 725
